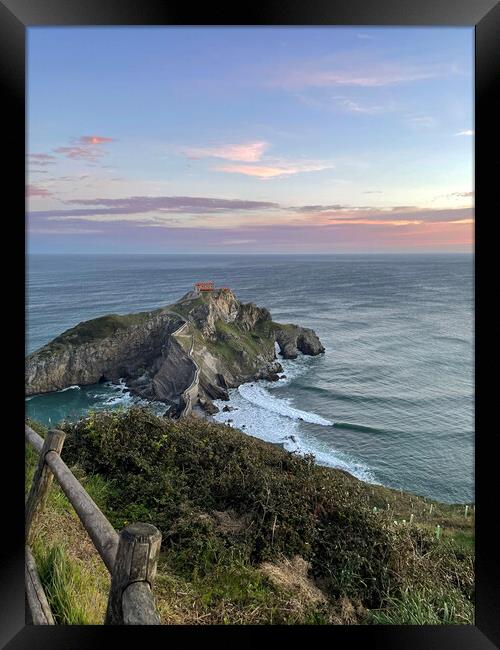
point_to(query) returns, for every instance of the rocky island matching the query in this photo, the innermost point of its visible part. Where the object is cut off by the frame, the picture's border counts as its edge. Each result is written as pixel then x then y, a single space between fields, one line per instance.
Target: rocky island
pixel 185 354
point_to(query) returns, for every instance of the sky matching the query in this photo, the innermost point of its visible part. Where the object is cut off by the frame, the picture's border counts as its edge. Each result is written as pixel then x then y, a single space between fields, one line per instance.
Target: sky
pixel 250 140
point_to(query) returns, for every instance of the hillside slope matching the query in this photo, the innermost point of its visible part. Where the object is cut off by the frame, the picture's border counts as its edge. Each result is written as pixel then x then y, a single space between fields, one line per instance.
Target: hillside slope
pixel 255 534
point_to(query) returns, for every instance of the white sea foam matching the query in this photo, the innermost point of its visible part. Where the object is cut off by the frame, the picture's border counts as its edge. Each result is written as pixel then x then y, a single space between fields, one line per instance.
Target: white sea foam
pixel 292 368
pixel 123 399
pixel 69 388
pixel 260 414
pixel 260 396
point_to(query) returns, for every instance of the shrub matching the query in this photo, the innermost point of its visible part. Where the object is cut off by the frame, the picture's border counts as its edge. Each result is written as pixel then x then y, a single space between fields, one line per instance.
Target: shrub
pixel 220 497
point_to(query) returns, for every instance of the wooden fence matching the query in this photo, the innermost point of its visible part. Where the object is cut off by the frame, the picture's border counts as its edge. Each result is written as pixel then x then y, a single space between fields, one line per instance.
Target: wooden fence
pixel 131 557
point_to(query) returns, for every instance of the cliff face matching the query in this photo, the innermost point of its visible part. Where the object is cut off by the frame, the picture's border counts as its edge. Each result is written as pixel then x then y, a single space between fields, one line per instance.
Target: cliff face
pixel 102 349
pixel 192 350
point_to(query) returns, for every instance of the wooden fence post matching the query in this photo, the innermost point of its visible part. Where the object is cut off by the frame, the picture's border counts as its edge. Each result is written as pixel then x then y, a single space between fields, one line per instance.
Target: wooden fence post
pixel 38 609
pixel 41 481
pixel 130 598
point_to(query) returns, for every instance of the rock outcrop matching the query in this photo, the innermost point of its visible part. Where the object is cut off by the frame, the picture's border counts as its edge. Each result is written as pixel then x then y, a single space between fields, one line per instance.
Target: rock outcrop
pixel 190 352
pixel 292 339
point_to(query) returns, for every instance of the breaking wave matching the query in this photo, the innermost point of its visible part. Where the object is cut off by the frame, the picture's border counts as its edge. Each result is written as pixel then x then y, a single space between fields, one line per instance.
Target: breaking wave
pixel 255 411
pixel 261 397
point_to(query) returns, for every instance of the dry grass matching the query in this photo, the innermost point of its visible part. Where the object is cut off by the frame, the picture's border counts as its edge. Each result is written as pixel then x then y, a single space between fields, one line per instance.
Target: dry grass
pixel 292 576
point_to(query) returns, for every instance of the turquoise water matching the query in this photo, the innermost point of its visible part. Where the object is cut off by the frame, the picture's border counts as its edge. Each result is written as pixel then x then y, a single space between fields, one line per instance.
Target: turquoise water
pixel 391 400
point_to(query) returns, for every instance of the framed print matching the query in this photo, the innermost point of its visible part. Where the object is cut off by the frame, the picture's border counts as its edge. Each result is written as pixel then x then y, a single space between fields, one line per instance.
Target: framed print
pixel 251 275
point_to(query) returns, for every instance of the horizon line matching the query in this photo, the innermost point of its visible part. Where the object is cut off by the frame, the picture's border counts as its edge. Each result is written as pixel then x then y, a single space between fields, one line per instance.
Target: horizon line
pixel 214 254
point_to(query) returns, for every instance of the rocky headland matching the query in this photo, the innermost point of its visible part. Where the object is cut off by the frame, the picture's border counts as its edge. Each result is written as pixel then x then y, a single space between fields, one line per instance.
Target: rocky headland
pixel 186 354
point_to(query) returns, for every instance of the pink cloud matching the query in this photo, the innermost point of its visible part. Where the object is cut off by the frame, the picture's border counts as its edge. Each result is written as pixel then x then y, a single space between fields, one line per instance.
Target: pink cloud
pixel 273 171
pixel 393 216
pixel 276 237
pixel 34 190
pixel 244 152
pixel 86 147
pixel 93 139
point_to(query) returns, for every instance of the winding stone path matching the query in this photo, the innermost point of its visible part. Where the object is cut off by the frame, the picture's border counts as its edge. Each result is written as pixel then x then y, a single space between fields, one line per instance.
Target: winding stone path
pixel 190 394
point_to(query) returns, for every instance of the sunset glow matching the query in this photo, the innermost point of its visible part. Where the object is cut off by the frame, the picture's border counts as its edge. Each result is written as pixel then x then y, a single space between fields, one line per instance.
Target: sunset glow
pixel 250 140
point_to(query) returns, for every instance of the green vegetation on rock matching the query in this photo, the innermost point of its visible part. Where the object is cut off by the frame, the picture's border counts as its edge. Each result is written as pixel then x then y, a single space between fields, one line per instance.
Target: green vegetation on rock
pixel 100 328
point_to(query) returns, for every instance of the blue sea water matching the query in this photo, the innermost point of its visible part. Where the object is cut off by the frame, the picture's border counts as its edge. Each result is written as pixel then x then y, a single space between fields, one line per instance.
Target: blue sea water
pixel 390 401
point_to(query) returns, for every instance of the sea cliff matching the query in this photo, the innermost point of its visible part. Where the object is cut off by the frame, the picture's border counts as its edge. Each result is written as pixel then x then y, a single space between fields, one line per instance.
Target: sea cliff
pixel 184 354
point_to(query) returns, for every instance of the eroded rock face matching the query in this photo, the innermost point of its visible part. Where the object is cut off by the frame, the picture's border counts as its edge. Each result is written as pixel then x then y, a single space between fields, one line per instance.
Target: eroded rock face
pixel 270 372
pixel 208 406
pixel 193 350
pixel 175 374
pixel 125 352
pixel 292 339
pixel 219 306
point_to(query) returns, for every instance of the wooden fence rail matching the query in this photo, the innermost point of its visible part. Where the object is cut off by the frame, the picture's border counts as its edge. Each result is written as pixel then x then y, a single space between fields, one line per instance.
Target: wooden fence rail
pixel 38 611
pixel 131 557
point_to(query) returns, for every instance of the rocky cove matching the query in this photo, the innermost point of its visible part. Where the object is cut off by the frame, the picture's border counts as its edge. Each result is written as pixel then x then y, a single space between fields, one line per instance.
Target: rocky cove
pixel 185 354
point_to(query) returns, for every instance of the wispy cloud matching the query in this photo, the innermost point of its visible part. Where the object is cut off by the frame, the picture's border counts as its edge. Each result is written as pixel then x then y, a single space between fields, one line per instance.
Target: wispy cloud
pixel 139 205
pixel 466 132
pixel 85 147
pixel 388 230
pixel 34 190
pixel 91 154
pixel 41 159
pixel 368 74
pixel 64 179
pixel 237 242
pixel 219 214
pixel 322 208
pixel 242 152
pixel 345 104
pixel 352 106
pixel 286 168
pixel 395 215
pixel 64 231
pixel 421 121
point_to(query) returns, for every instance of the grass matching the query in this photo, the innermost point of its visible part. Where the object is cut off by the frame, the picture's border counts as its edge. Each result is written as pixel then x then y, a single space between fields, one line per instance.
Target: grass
pixel 426 513
pixel 99 328
pixel 241 349
pixel 424 607
pixel 227 504
pixel 71 572
pixel 251 534
pixel 71 588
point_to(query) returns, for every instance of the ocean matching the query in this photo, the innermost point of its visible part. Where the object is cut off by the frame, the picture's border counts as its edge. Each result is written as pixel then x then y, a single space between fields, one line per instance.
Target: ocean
pixel 391 400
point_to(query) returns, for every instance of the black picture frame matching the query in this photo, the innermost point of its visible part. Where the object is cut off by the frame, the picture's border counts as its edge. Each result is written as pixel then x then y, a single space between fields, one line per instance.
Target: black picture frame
pixel 15 17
